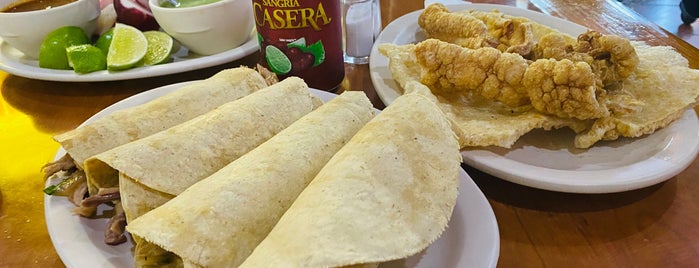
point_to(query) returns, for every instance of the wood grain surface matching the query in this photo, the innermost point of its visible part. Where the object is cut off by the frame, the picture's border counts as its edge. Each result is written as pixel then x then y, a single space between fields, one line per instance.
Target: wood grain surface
pixel 655 226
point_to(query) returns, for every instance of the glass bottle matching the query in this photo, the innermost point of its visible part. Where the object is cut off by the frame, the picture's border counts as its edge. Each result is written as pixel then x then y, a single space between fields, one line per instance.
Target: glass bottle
pixel 301 38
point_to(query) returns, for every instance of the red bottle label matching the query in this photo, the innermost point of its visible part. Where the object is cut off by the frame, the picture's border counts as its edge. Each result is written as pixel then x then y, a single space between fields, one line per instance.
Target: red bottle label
pixel 301 38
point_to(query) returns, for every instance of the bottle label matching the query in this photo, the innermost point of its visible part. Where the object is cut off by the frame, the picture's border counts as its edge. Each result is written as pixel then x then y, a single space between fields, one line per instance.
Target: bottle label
pixel 301 38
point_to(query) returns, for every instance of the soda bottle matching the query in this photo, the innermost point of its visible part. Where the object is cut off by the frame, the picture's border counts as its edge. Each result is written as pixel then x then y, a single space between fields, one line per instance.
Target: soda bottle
pixel 301 38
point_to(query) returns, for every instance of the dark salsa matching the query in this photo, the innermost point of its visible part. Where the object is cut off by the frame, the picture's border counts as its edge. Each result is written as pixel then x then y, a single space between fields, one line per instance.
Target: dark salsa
pixel 32 5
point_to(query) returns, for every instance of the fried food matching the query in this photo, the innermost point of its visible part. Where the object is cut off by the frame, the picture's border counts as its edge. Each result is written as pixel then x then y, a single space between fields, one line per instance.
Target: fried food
pixel 611 57
pixel 664 85
pixel 563 88
pixel 601 86
pixel 476 29
pixel 464 30
pixel 514 34
pixel 477 121
pixel 655 94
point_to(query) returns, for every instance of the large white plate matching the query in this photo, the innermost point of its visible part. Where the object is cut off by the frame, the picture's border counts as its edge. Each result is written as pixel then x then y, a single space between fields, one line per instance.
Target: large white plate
pixel 547 160
pixel 14 62
pixel 471 240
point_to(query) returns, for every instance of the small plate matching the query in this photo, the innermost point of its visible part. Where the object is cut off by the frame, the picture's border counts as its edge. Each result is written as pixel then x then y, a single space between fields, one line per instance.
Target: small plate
pixel 547 160
pixel 471 239
pixel 14 62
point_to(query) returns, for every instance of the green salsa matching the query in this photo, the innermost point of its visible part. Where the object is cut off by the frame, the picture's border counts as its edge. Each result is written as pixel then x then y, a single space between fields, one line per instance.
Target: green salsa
pixel 187 3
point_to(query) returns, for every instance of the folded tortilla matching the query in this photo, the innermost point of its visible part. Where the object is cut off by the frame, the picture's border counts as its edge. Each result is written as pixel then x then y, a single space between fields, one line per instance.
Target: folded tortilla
pixel 218 221
pixel 386 195
pixel 170 161
pixel 154 169
pixel 162 113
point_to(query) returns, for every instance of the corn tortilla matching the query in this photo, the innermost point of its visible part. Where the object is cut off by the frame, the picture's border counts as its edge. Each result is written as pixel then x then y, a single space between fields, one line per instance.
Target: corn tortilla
pixel 172 160
pixel 162 113
pixel 218 221
pixel 386 195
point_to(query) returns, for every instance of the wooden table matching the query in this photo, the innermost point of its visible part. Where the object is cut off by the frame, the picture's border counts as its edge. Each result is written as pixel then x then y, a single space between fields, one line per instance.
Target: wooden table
pixel 651 227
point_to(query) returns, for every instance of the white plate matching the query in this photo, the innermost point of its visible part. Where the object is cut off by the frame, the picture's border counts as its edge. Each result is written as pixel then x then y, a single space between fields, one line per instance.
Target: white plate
pixel 14 62
pixel 547 160
pixel 471 240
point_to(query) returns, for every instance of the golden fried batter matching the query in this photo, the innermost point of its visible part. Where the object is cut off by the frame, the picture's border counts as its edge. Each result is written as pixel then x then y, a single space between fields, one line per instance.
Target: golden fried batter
pixel 464 30
pixel 611 57
pixel 476 121
pixel 614 57
pixel 561 88
pixel 514 34
pixel 664 86
pixel 601 86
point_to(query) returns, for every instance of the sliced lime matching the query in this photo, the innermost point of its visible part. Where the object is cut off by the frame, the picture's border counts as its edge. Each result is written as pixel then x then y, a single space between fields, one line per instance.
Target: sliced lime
pixel 105 40
pixel 276 59
pixel 52 53
pixel 160 47
pixel 128 47
pixel 86 58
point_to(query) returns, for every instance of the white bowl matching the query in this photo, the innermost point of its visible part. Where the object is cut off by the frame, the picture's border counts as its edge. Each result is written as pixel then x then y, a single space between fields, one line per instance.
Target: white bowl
pixel 207 29
pixel 26 30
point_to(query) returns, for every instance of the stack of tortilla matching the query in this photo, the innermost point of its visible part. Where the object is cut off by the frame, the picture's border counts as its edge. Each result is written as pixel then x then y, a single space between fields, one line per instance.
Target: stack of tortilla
pixel 154 169
pixel 162 113
pixel 387 194
pixel 218 221
pixel 172 160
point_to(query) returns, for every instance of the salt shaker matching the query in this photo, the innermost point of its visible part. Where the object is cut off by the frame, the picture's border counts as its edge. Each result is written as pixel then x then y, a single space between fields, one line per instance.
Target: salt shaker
pixel 361 25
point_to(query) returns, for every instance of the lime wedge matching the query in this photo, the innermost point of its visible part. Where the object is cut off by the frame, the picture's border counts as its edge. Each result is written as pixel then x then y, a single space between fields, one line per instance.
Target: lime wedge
pixel 52 53
pixel 160 47
pixel 128 47
pixel 276 59
pixel 86 58
pixel 105 40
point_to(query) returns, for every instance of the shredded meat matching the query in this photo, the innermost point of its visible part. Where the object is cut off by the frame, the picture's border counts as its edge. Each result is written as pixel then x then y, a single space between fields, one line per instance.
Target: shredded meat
pixel 80 190
pixel 104 195
pixel 114 233
pixel 269 76
pixel 65 163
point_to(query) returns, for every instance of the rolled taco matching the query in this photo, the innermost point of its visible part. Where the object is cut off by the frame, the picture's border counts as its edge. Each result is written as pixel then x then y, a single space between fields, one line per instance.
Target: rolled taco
pixel 172 160
pixel 386 195
pixel 162 113
pixel 152 170
pixel 218 221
